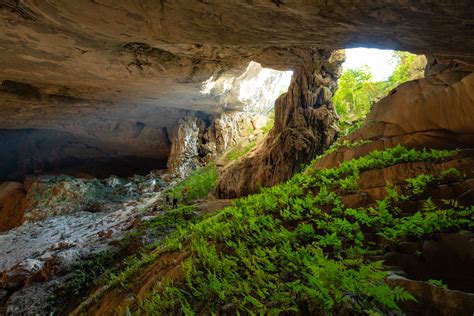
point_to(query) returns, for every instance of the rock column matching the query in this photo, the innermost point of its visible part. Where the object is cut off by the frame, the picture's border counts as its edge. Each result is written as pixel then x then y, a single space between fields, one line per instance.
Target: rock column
pixel 305 125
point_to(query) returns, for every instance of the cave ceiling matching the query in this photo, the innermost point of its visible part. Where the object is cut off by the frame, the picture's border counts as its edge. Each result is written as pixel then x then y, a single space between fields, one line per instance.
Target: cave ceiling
pixel 158 52
pixel 103 69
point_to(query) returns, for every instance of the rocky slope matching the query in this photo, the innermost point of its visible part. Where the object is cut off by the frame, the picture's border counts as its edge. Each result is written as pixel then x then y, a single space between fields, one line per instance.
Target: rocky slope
pixel 202 140
pixel 64 220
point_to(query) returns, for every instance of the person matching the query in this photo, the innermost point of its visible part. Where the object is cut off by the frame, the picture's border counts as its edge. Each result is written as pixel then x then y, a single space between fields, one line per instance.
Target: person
pixel 167 199
pixel 175 203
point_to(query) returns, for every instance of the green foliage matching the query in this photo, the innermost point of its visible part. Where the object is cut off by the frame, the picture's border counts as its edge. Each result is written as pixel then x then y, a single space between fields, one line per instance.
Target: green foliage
pixel 240 151
pixel 295 248
pixel 170 219
pixel 437 283
pixel 197 185
pixel 419 183
pixel 358 92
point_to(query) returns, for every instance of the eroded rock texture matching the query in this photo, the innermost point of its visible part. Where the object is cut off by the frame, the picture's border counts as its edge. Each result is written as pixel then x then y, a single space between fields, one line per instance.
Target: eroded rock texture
pixel 305 125
pixel 204 138
pixel 66 219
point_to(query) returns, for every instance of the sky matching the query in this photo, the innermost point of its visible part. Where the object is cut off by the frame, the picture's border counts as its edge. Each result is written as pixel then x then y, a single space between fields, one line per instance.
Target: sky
pixel 378 60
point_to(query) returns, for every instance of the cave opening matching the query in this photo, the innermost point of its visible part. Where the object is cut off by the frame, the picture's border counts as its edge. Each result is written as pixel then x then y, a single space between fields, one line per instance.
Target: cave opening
pixel 368 76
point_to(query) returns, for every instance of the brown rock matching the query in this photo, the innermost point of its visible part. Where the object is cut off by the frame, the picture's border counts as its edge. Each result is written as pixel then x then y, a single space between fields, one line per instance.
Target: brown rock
pixel 305 125
pixel 11 205
pixel 433 300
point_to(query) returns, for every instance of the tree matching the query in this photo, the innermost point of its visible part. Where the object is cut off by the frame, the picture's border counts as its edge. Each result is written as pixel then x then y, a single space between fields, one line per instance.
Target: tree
pixel 358 92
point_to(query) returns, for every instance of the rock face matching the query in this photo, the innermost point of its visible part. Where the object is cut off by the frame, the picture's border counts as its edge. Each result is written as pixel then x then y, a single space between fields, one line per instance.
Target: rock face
pixel 105 138
pixel 305 125
pixel 204 138
pixel 434 300
pixel 41 197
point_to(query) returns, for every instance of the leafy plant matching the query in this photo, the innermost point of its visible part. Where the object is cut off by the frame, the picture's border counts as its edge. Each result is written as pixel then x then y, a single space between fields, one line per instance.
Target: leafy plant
pixel 438 283
pixel 240 151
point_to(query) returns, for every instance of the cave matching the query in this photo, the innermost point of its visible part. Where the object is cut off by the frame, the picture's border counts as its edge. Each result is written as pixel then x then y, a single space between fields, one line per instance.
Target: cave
pixel 97 143
pixel 173 157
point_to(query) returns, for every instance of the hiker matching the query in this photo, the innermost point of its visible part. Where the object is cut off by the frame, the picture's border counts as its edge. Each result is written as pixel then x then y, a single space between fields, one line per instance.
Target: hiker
pixel 175 202
pixel 167 199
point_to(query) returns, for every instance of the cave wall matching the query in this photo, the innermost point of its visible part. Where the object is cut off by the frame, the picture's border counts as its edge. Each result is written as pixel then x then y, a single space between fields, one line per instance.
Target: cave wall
pixel 42 132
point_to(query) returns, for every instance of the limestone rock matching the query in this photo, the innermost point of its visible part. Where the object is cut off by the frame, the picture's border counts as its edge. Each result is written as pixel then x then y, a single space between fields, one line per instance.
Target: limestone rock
pixel 204 138
pixel 62 225
pixel 305 125
pixel 184 151
pixel 19 274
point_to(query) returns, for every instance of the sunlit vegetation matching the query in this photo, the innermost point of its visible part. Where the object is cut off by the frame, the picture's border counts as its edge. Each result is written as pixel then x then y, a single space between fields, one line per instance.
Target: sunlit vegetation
pixel 242 149
pixel 198 185
pixel 358 92
pixel 295 247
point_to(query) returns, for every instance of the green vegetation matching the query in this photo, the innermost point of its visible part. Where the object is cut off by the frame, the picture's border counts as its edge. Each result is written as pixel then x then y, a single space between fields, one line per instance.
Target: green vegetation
pixel 240 151
pixel 295 247
pixel 197 185
pixel 163 223
pixel 96 268
pixel 437 283
pixel 270 122
pixel 358 92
